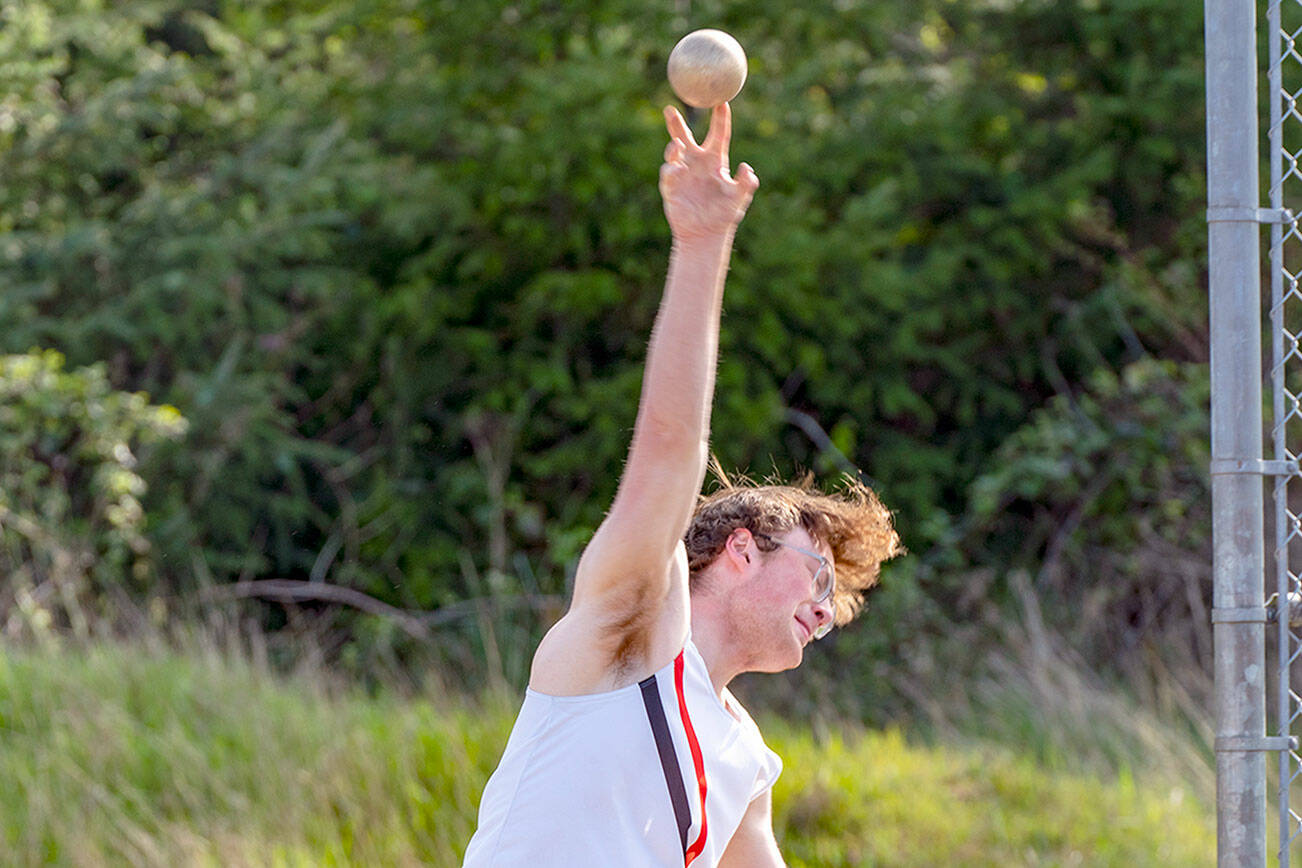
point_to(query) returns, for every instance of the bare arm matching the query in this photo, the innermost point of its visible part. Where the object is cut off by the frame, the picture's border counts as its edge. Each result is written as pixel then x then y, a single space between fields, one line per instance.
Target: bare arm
pixel 632 576
pixel 753 844
pixel 627 561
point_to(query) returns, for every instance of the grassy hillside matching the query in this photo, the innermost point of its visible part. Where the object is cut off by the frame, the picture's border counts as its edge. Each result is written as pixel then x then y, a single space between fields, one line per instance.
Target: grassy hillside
pixel 118 756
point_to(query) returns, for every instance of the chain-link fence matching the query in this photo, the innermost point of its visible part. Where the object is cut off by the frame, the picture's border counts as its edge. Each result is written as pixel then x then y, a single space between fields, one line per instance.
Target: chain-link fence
pixel 1284 33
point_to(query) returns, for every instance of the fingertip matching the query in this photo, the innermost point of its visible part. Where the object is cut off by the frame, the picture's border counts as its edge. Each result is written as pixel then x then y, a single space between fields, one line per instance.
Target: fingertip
pixel 677 127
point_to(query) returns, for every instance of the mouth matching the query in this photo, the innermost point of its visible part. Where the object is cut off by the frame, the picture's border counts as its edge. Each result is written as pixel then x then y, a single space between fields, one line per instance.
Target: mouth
pixel 806 630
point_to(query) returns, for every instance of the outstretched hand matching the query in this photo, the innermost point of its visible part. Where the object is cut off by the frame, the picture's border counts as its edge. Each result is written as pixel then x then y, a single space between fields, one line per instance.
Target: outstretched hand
pixel 702 199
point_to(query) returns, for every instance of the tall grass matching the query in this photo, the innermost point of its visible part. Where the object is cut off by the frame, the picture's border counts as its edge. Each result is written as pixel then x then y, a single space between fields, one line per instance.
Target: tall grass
pixel 114 757
pixel 118 755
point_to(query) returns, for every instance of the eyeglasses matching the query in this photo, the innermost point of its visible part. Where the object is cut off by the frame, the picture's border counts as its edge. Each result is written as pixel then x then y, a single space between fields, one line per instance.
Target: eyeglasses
pixel 824 581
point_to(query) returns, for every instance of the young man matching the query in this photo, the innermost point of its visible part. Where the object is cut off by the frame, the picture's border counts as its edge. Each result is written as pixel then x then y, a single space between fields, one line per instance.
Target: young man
pixel 629 750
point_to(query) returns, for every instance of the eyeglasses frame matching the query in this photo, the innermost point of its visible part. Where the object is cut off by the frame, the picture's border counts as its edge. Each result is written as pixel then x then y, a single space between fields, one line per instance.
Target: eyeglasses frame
pixel 823 565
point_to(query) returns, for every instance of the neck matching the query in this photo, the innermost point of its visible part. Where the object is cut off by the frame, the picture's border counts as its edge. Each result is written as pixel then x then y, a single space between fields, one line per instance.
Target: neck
pixel 710 635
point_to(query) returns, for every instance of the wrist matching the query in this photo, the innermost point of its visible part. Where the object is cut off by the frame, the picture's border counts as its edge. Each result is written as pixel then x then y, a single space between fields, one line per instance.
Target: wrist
pixel 709 242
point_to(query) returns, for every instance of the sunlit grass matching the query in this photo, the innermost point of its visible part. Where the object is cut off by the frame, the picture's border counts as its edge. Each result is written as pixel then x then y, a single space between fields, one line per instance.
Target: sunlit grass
pixel 118 756
pixel 872 799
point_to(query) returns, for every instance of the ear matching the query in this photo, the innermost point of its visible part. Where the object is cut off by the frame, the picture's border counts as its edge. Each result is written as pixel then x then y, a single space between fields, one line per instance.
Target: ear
pixel 738 548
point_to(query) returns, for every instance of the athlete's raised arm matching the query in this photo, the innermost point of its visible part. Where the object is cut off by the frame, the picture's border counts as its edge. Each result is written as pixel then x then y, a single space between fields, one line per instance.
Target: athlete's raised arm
pixel 630 591
pixel 627 561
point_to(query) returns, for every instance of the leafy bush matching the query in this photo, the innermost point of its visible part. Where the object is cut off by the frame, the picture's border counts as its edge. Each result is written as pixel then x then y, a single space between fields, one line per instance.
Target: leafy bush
pixel 1109 498
pixel 1088 539
pixel 72 529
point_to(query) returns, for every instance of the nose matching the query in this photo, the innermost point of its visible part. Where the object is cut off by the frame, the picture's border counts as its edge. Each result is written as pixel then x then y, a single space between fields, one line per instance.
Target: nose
pixel 823 612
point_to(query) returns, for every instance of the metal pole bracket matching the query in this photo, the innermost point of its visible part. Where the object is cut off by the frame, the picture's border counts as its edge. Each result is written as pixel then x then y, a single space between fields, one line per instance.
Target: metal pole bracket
pixel 1254 466
pixel 1240 743
pixel 1249 215
pixel 1243 615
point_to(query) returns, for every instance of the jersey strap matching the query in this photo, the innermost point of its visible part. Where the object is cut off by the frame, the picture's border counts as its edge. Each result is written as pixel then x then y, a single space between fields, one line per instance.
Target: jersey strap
pixel 697 762
pixel 655 712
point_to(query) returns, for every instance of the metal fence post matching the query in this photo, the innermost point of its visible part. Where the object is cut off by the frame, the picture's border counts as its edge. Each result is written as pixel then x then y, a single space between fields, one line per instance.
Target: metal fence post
pixel 1237 500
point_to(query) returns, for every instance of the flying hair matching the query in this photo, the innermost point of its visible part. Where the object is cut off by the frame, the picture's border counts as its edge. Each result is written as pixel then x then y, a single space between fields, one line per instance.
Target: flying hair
pixel 851 520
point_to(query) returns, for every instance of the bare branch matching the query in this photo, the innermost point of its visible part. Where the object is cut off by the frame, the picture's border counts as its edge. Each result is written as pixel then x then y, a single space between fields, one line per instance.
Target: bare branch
pixel 413 623
pixel 294 591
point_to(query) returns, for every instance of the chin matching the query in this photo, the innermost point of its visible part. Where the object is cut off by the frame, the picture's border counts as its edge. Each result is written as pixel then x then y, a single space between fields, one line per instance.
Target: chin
pixel 790 660
pixel 779 659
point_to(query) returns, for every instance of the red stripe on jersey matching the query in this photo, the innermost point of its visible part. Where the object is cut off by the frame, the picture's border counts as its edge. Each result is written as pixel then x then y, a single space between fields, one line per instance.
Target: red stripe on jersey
pixel 698 762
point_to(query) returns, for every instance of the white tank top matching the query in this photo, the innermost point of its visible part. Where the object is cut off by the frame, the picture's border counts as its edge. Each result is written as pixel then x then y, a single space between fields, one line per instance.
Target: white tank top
pixel 582 781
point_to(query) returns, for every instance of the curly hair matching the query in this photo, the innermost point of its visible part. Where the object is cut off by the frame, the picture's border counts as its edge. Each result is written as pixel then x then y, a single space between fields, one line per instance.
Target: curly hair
pixel 852 522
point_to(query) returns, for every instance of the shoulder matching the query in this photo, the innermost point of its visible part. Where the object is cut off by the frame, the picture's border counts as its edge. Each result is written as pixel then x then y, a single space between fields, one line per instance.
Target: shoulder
pixel 770 764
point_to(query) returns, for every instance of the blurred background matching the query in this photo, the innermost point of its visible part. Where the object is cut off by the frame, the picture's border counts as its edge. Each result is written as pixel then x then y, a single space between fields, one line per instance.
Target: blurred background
pixel 324 324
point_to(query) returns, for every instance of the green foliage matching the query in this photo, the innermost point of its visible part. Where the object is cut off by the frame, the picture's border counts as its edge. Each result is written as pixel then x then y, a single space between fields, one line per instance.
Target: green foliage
pixel 1104 500
pixel 1142 431
pixel 1088 536
pixel 116 756
pixel 71 524
pixel 396 262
